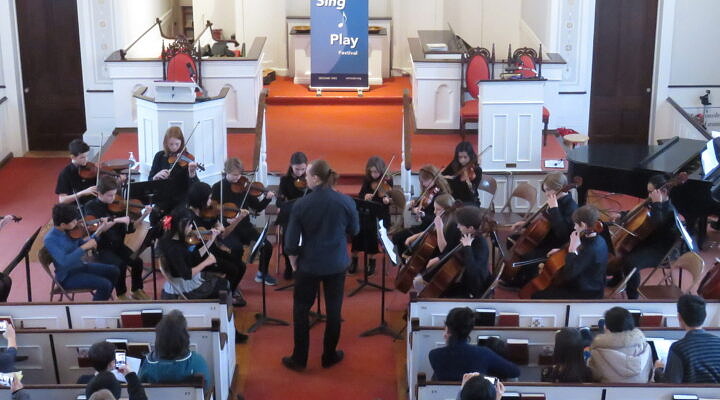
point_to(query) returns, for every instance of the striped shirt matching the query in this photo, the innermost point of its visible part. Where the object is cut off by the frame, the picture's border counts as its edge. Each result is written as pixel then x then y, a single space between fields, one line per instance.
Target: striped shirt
pixel 694 359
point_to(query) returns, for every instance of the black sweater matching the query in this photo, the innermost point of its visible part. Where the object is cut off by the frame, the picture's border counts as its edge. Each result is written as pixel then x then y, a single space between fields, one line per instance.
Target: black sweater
pixel 115 236
pixel 586 270
pixel 561 223
pixel 179 182
pixel 460 190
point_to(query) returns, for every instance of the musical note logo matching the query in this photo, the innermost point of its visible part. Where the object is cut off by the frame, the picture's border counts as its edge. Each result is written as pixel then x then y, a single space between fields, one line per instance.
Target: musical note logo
pixel 342 23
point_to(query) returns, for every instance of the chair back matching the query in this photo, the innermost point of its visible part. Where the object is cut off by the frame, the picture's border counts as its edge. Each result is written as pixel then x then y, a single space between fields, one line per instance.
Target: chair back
pixel 477 67
pixel 488 184
pixel 178 69
pixel 694 264
pixel 45 260
pixel 620 288
pixel 526 59
pixel 523 191
pixel 495 281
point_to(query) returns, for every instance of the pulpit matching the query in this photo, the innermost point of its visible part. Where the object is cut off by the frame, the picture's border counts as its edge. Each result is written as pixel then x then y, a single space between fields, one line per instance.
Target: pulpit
pixel 204 119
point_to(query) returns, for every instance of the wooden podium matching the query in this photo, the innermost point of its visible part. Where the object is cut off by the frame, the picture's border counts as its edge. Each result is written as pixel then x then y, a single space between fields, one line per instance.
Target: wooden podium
pixel 209 141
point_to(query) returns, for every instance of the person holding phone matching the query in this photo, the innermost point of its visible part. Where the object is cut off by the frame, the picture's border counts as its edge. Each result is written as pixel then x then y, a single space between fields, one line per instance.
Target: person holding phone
pixel 103 356
pixel 476 386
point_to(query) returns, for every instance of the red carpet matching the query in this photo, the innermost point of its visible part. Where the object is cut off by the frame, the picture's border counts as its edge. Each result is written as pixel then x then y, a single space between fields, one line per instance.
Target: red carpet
pixel 284 91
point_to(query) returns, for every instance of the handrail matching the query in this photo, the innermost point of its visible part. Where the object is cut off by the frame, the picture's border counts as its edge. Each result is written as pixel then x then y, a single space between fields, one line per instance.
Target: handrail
pixel 259 127
pixel 123 52
pixel 408 127
pixel 208 25
pixel 694 122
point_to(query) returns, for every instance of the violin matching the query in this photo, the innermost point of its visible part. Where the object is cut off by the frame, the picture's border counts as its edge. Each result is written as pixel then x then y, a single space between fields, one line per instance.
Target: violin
pixel 183 159
pixel 467 172
pixel 381 188
pixel 426 198
pixel 90 171
pixel 300 183
pixel 89 224
pixel 243 184
pixel 198 236
pixel 120 205
pixel 229 210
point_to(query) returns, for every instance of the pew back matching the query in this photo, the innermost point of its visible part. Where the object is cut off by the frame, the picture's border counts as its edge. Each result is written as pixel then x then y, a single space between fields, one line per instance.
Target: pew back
pixel 70 392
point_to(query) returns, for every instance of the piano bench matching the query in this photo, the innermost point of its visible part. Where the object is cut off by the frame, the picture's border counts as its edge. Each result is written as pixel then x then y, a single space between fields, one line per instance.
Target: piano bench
pixel 575 139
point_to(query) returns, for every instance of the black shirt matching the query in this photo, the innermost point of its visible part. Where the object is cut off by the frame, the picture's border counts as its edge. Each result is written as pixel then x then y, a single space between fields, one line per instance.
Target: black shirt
pixel 586 270
pixel 287 194
pixel 69 182
pixel 179 182
pixel 115 236
pixel 384 214
pixel 180 259
pixel 561 223
pixel 460 190
pixel 662 218
pixel 228 196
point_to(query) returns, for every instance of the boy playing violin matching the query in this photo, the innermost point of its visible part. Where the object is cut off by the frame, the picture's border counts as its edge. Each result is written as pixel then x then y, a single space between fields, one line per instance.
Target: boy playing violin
pixel 71 268
pixel 239 230
pixel 70 185
pixel 111 245
pixel 583 276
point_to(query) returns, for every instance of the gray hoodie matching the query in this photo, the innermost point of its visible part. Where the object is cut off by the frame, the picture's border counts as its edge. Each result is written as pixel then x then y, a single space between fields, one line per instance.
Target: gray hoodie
pixel 621 357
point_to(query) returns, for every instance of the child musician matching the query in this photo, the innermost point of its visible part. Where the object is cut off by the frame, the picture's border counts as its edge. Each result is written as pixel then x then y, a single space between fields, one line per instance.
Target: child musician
pixel 180 178
pixel 367 239
pixel 241 232
pixel 432 184
pixel 293 185
pixel 464 174
pixel 226 262
pixel 111 244
pixel 68 254
pixel 70 185
pixel 559 212
pixel 583 276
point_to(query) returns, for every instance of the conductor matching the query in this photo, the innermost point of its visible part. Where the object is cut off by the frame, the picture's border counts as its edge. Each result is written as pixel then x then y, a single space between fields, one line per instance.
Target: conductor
pixel 316 243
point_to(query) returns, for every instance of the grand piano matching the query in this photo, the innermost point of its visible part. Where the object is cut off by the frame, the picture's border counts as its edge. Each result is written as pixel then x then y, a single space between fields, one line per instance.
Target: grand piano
pixel 626 168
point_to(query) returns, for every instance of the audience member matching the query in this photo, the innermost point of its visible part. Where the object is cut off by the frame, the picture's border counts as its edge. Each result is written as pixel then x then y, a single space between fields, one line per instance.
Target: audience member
pixel 569 361
pixel 696 357
pixel 7 357
pixel 458 357
pixel 172 360
pixel 476 387
pixel 102 357
pixel 621 355
pixel 102 394
pixel 18 393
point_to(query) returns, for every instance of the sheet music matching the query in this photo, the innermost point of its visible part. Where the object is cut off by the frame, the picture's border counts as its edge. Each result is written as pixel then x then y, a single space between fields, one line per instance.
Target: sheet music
pixel 661 347
pixel 387 243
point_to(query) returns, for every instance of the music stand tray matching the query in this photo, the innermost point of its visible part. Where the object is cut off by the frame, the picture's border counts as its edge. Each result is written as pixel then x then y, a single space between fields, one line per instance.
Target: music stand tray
pixel 147 191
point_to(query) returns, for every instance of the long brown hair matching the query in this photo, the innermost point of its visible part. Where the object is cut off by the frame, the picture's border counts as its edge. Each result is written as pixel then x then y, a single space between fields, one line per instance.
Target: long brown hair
pixel 173 132
pixel 429 171
pixel 322 170
pixel 297 157
pixel 376 162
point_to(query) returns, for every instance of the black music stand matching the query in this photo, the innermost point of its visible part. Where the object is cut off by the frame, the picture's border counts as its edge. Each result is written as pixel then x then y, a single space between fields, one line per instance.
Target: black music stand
pixel 388 252
pixel 24 255
pixel 372 209
pixel 262 318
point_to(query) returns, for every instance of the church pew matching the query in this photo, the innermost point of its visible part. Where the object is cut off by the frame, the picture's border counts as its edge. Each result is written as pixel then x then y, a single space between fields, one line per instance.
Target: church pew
pixel 424 339
pixel 435 390
pixel 71 392
pixel 52 355
pixel 551 313
pixel 106 314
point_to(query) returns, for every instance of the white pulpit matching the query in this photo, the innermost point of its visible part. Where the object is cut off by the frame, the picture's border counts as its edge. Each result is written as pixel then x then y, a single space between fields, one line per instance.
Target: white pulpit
pixel 510 119
pixel 209 139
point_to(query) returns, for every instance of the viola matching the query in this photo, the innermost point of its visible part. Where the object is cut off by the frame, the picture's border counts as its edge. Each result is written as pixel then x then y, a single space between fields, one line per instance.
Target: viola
pixel 467 172
pixel 89 224
pixel 229 210
pixel 300 183
pixel 183 159
pixel 256 188
pixel 120 205
pixel 535 230
pixel 198 236
pixel 553 265
pixel 381 188
pixel 426 198
pixel 90 171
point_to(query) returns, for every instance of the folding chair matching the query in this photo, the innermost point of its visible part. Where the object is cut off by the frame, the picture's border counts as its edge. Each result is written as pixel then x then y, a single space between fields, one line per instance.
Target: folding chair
pixel 161 267
pixel 690 261
pixel 620 287
pixel 488 184
pixel 56 288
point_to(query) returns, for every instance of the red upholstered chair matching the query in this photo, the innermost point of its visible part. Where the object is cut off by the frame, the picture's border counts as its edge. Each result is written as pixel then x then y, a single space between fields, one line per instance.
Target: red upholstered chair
pixel 180 59
pixel 529 65
pixel 477 66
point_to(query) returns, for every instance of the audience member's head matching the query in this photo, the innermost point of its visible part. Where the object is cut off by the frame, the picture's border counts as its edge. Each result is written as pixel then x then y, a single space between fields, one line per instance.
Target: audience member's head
pixel 102 357
pixel 618 319
pixel 569 362
pixel 172 340
pixel 478 388
pixel 459 323
pixel 691 309
pixel 103 394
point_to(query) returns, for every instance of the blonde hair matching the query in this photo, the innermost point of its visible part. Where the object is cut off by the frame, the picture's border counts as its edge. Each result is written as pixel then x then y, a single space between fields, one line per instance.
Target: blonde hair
pixel 429 171
pixel 555 181
pixel 233 164
pixel 173 132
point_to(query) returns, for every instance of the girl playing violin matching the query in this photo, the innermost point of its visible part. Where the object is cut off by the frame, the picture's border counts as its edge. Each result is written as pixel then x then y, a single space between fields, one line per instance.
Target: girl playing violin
pixel 181 176
pixel 371 190
pixel 432 184
pixel 559 213
pixel 111 245
pixel 583 276
pixel 464 174
pixel 70 185
pixel 293 185
pixel 199 200
pixel 241 230
pixel 183 262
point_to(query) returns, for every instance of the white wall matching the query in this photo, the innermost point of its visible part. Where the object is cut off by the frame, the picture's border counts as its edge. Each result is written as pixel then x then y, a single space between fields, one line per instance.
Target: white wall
pixel 221 13
pixel 409 16
pixel 133 17
pixel 12 114
pixel 536 14
pixel 253 19
pixel 696 48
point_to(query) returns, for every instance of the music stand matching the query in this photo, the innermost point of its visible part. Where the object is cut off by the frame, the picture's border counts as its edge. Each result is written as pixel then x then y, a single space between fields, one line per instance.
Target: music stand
pixel 24 255
pixel 388 252
pixel 262 318
pixel 146 191
pixel 373 210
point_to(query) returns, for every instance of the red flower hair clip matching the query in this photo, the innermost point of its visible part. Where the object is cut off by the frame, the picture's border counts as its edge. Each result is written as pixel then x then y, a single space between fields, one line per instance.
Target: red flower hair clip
pixel 167 222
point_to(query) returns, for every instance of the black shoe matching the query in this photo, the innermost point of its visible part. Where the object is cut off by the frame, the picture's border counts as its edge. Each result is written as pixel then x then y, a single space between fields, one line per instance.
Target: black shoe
pixel 288 274
pixel 239 300
pixel 371 267
pixel 353 265
pixel 614 281
pixel 328 362
pixel 290 363
pixel 240 337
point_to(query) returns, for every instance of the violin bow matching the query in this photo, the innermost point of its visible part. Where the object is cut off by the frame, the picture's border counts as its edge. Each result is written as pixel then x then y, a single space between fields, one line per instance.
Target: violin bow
pixel 220 214
pixel 182 151
pixel 205 246
pixel 432 183
pixel 82 215
pixel 383 176
pixel 97 177
pixel 247 192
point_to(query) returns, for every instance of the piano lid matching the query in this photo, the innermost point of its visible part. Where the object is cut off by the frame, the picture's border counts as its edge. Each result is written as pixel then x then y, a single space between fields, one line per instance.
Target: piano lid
pixel 670 158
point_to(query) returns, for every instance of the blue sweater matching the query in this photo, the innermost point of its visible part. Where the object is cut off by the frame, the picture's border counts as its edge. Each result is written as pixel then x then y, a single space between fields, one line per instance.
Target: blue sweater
pixel 449 363
pixel 323 218
pixel 155 370
pixel 65 251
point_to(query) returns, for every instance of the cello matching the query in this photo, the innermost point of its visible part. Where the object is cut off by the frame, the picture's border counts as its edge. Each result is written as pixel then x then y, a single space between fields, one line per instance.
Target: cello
pixel 553 264
pixel 636 227
pixel 536 229
pixel 421 251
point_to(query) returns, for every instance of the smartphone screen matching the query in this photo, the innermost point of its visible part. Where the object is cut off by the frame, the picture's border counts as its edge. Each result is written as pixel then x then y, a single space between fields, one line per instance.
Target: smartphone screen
pixel 119 359
pixel 6 379
pixel 3 326
pixel 492 379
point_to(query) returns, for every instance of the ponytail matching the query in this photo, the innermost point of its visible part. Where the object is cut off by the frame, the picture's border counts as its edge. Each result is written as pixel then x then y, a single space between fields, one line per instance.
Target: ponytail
pixel 320 168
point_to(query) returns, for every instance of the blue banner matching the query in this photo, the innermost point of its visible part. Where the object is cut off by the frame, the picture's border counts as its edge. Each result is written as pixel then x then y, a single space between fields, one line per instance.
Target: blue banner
pixel 339 44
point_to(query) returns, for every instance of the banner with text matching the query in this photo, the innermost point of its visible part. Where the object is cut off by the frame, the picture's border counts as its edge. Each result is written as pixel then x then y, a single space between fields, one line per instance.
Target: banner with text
pixel 339 44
